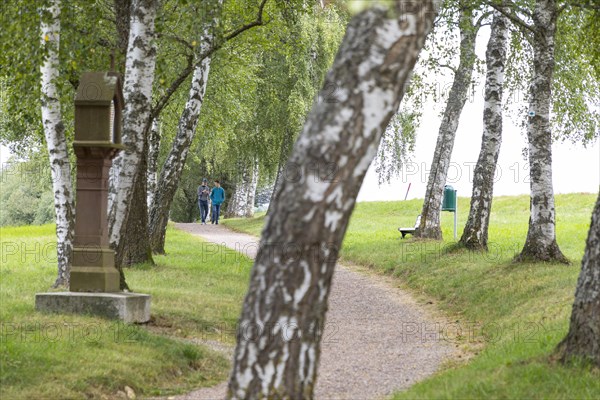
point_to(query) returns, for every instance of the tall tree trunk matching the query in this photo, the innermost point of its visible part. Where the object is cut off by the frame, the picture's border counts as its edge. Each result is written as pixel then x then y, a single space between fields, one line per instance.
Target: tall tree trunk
pixel 137 93
pixel 153 151
pixel 238 201
pixel 430 214
pixel 122 21
pixel 170 174
pixel 540 244
pixel 173 166
pixel 252 191
pixel 56 143
pixel 122 10
pixel 137 248
pixel 285 151
pixel 290 281
pixel 475 234
pixel 191 204
pixel 583 339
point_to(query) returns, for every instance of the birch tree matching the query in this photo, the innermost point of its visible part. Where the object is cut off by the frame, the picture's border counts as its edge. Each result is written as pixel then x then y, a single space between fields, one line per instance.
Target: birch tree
pixel 290 280
pixel 430 214
pixel 241 201
pixel 238 201
pixel 137 94
pixel 153 151
pixel 249 212
pixel 292 76
pixel 173 166
pixel 56 141
pixel 475 234
pixel 570 89
pixel 136 244
pixel 540 244
pixel 583 339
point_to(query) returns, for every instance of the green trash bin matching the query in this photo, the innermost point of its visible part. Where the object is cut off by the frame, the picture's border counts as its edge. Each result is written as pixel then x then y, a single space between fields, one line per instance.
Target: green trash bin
pixel 449 200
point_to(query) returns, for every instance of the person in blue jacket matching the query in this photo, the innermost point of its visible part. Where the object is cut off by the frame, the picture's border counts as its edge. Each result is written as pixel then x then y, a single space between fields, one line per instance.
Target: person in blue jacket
pixel 217 197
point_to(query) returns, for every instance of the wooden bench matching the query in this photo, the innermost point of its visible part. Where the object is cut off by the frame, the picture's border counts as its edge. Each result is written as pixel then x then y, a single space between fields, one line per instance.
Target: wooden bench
pixel 411 231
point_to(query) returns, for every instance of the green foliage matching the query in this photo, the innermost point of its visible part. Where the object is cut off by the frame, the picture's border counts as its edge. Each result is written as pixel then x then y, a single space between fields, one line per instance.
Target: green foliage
pixel 26 195
pixel 509 317
pixel 85 42
pixel 20 57
pixel 431 79
pixel 264 84
pixel 576 91
pixel 576 81
pixel 397 143
pixel 260 88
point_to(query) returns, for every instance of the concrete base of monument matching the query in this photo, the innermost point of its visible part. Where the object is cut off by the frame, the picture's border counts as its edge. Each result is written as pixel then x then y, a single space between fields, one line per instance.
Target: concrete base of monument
pixel 127 307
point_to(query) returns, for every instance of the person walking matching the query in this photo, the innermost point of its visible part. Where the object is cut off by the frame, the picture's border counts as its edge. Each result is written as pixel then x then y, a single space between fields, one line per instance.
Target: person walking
pixel 217 197
pixel 203 193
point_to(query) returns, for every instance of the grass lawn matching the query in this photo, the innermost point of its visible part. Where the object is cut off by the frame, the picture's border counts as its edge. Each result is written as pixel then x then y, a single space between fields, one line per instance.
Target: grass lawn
pixel 61 356
pixel 512 315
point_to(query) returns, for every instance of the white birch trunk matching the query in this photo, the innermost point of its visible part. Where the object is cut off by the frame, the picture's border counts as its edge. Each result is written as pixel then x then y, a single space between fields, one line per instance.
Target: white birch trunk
pixel 430 214
pixel 290 281
pixel 137 93
pixel 173 166
pixel 170 174
pixel 238 202
pixel 284 154
pixel 540 244
pixel 56 142
pixel 252 191
pixel 153 151
pixel 583 339
pixel 475 234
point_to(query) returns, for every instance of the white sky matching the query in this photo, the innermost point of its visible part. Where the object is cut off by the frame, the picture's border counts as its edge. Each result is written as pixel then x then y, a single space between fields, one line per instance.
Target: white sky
pixel 4 155
pixel 574 168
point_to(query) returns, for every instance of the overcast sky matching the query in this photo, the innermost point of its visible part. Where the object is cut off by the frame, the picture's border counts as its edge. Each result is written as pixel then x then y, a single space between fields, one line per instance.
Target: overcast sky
pixel 574 168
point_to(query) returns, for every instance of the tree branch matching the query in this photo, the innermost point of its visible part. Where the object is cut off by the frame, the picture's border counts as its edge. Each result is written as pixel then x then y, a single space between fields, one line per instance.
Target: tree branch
pixel 257 22
pixel 479 22
pixel 519 22
pixel 450 67
pixel 162 102
pixel 176 39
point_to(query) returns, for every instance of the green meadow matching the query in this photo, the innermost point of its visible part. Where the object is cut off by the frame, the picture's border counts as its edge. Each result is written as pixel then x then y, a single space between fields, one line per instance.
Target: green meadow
pixel 508 316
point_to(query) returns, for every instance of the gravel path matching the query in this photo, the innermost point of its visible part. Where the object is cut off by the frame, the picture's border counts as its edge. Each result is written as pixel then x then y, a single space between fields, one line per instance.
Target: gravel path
pixel 377 338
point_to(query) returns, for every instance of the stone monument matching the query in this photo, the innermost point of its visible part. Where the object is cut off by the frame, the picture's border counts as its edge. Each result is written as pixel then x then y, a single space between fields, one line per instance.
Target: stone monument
pixel 94 280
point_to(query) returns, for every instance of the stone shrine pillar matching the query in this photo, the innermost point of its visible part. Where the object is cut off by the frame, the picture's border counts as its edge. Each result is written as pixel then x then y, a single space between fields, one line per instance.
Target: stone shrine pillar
pixel 98 107
pixel 94 280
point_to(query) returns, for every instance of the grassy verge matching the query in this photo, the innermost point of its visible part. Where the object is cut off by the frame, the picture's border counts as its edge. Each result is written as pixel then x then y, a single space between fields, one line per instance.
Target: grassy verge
pixel 60 356
pixel 519 312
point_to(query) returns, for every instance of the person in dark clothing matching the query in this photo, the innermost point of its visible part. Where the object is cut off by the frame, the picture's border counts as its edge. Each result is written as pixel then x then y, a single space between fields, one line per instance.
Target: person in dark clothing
pixel 203 193
pixel 217 197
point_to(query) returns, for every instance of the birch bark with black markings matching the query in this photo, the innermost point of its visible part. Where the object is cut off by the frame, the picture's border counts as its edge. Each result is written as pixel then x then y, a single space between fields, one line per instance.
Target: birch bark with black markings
pixel 475 234
pixel 56 142
pixel 430 214
pixel 172 169
pixel 583 339
pixel 291 278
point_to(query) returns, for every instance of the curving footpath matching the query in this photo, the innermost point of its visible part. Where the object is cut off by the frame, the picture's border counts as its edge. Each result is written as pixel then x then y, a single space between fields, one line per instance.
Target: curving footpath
pixel 377 338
